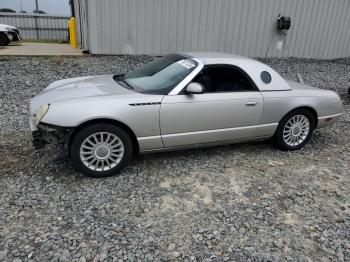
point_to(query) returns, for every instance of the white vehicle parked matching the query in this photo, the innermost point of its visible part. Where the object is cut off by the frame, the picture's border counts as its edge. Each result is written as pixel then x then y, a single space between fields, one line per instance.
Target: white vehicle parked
pixel 8 33
pixel 179 101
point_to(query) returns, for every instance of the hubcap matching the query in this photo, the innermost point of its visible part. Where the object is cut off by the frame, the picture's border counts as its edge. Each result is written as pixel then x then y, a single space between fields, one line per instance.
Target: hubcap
pixel 101 151
pixel 296 130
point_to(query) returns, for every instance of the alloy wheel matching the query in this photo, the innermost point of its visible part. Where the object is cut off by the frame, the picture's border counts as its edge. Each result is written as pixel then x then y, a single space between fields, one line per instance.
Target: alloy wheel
pixel 101 151
pixel 296 130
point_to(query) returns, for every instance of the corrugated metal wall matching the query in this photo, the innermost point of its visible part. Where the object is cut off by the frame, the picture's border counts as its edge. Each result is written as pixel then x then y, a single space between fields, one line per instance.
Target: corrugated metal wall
pixel 320 28
pixel 42 27
pixel 82 23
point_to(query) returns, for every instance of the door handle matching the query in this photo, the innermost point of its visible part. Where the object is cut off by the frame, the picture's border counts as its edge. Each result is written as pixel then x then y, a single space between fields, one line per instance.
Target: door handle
pixel 251 103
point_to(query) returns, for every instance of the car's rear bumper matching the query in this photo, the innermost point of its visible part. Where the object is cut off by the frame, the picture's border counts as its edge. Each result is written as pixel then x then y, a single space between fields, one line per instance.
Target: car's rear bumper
pixel 328 120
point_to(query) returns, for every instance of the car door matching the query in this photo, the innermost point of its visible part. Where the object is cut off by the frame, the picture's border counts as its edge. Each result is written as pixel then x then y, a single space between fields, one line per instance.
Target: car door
pixel 219 114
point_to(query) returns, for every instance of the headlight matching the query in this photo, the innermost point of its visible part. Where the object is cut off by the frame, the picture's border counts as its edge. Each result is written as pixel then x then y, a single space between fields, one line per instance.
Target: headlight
pixel 41 113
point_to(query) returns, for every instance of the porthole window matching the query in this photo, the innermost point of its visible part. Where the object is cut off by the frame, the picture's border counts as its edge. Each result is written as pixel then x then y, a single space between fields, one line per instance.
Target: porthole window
pixel 265 77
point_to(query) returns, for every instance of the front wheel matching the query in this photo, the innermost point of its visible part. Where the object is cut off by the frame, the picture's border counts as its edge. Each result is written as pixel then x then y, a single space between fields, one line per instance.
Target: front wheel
pixel 101 150
pixel 295 130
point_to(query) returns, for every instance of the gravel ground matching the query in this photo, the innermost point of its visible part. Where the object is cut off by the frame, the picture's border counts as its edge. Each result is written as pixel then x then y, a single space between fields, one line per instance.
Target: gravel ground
pixel 247 202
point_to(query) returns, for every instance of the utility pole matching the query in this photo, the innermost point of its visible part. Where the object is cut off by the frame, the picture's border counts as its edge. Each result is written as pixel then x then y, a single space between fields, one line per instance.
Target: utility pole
pixel 36 19
pixel 72 8
pixel 36 6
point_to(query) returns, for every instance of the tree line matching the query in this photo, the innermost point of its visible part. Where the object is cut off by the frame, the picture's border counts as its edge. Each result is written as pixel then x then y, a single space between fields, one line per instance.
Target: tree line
pixel 9 10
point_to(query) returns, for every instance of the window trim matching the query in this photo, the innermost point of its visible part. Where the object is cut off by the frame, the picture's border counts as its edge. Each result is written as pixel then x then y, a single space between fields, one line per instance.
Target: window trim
pixel 255 87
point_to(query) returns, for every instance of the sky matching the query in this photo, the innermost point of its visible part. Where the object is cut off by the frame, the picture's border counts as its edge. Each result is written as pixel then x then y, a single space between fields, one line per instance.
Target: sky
pixel 52 7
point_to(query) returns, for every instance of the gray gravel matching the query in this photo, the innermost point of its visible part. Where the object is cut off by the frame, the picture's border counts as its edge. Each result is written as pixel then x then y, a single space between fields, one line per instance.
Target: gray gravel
pixel 246 202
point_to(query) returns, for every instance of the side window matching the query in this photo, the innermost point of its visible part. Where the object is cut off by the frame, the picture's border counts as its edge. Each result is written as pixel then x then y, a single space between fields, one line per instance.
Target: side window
pixel 224 79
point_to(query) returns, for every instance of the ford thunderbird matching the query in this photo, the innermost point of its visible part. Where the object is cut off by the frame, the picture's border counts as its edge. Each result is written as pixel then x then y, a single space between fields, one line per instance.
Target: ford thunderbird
pixel 178 101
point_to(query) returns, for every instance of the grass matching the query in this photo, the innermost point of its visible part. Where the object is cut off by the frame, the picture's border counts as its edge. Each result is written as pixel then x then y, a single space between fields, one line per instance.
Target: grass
pixel 3 59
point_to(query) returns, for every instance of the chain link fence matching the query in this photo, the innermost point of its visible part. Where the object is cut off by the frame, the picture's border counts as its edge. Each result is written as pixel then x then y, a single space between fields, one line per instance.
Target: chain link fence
pixel 38 27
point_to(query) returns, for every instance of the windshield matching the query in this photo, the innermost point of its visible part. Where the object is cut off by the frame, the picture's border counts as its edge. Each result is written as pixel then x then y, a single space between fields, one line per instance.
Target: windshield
pixel 161 75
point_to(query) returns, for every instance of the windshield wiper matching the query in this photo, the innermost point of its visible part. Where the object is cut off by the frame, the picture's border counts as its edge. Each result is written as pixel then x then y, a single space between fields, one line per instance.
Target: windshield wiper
pixel 125 84
pixel 120 80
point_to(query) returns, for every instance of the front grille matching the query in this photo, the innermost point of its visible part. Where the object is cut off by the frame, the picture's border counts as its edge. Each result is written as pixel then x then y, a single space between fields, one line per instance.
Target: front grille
pixel 37 142
pixel 36 135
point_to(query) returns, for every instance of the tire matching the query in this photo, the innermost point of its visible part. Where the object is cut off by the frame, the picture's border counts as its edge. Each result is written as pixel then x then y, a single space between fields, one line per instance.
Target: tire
pixel 291 136
pixel 4 39
pixel 94 158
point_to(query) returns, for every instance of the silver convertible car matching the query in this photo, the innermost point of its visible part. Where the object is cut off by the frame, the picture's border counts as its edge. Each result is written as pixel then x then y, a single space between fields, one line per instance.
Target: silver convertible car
pixel 179 101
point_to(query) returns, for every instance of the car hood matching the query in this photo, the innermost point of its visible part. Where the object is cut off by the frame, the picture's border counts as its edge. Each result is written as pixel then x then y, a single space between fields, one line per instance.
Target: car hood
pixel 4 28
pixel 79 87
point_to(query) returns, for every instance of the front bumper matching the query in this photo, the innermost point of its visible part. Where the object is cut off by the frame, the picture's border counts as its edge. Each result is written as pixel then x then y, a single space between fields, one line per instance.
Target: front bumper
pixel 49 134
pixel 37 142
pixel 14 35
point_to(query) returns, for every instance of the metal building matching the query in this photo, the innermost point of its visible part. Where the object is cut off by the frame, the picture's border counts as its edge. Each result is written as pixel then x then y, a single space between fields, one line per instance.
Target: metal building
pixel 319 28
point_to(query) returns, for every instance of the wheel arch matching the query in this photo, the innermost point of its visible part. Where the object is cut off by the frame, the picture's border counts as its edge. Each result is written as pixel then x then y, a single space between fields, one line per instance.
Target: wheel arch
pixel 309 108
pixel 110 121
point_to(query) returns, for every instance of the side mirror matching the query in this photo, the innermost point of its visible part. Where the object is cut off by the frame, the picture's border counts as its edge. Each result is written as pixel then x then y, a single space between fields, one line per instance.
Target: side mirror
pixel 194 88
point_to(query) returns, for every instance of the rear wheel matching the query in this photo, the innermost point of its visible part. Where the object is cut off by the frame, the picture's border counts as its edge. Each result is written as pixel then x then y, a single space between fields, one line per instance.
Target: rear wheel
pixel 295 130
pixel 101 150
pixel 4 39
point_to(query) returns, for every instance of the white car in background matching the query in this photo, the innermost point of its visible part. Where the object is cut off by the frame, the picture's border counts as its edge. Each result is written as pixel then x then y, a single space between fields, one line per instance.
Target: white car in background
pixel 8 33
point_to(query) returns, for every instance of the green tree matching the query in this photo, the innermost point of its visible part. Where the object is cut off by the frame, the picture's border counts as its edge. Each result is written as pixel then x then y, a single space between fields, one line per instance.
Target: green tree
pixel 39 12
pixel 7 10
